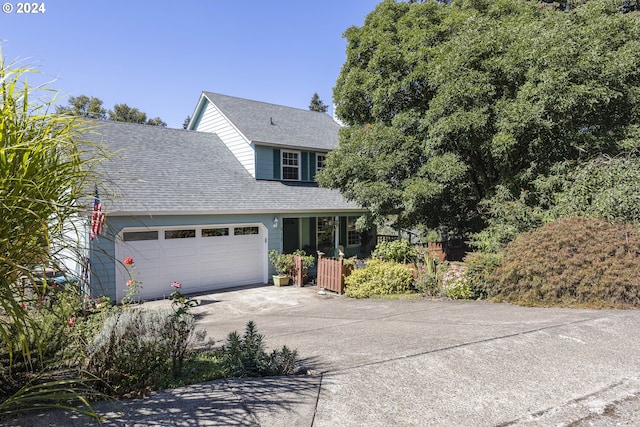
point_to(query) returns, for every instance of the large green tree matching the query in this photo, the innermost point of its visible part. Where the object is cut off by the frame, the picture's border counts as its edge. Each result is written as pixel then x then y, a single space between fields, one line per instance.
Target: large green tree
pixel 91 107
pixel 124 113
pixel 83 106
pixel 446 102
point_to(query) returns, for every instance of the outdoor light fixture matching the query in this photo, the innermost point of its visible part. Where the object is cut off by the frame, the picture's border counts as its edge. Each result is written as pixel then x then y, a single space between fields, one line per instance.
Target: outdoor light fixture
pixel 275 222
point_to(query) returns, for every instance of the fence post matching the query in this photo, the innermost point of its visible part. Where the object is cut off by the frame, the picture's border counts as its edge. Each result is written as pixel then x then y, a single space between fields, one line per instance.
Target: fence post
pixel 297 271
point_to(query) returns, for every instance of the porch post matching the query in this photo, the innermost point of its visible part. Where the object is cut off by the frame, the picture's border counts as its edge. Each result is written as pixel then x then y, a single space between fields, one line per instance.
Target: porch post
pixel 336 236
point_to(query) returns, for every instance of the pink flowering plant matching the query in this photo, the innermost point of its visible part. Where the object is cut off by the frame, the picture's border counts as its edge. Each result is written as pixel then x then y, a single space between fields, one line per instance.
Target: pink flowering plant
pixel 134 286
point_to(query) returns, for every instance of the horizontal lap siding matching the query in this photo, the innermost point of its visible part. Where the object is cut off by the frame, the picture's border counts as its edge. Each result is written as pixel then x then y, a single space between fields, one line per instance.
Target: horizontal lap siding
pixel 214 122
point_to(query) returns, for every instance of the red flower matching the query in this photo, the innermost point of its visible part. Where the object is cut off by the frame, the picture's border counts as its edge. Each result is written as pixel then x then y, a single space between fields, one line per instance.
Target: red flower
pixel 71 322
pixel 23 306
pixel 128 261
pixel 176 285
pixel 131 282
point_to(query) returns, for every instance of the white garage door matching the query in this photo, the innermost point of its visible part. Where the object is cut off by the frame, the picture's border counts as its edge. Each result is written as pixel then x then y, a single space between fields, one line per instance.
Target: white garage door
pixel 200 258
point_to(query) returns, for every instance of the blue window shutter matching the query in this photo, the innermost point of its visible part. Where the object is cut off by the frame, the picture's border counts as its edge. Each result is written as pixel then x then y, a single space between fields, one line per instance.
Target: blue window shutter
pixel 343 231
pixel 312 164
pixel 276 163
pixel 304 163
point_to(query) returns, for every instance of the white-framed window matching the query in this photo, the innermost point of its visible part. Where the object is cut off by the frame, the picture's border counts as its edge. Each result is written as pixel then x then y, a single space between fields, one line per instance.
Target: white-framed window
pixel 290 165
pixel 320 159
pixel 353 237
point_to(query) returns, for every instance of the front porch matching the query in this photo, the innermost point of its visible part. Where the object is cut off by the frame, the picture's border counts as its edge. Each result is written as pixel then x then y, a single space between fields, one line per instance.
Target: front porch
pixel 331 235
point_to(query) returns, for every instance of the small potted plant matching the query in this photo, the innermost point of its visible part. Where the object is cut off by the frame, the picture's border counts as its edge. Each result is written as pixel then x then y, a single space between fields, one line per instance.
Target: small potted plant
pixel 283 264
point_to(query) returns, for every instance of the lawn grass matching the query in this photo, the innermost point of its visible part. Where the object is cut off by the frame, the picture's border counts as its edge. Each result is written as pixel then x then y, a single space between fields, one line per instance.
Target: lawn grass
pixel 203 365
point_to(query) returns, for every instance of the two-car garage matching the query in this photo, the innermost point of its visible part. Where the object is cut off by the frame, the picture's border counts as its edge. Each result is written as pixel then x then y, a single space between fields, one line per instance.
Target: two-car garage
pixel 201 258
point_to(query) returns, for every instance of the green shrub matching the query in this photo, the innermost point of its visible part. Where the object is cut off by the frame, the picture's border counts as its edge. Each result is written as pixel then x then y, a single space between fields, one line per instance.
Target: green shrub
pixel 459 288
pixel 480 267
pixel 573 262
pixel 282 263
pixel 379 278
pixel 134 348
pixel 426 280
pixel 401 251
pixel 245 356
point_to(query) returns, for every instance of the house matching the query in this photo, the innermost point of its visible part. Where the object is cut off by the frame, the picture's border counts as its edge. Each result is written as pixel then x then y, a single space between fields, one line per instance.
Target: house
pixel 204 206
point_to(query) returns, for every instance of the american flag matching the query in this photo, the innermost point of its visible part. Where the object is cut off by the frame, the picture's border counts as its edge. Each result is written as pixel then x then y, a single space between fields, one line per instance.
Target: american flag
pixel 97 218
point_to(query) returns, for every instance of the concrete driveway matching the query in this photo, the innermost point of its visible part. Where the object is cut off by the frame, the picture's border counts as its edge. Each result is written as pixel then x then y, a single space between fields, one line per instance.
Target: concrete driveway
pixel 406 363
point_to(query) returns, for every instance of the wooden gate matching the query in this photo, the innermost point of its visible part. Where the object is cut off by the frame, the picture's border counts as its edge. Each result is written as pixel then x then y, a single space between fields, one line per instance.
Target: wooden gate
pixel 331 274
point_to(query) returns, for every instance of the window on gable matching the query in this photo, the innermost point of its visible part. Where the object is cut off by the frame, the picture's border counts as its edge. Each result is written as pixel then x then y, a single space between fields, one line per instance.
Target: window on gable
pixel 290 165
pixel 320 161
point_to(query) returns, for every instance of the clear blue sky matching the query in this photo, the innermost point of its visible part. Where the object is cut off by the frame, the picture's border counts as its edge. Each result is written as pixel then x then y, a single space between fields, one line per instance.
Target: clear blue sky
pixel 158 56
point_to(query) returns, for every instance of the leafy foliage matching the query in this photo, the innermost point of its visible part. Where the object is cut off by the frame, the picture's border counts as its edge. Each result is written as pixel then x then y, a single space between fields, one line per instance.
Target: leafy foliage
pixel 43 174
pixel 245 356
pixel 428 274
pixel 573 261
pixel 91 107
pixel 445 101
pixel 316 104
pixel 131 350
pixel 379 278
pixel 124 113
pixel 283 263
pixel 401 251
pixel 605 187
pixel 479 270
pixel 459 288
pixel 83 106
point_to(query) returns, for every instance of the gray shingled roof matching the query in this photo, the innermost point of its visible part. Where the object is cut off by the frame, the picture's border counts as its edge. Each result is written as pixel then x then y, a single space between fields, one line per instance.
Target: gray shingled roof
pixel 169 171
pixel 291 126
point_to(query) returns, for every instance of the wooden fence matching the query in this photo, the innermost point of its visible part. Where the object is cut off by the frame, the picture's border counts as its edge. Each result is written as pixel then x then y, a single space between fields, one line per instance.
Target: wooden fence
pixel 331 274
pixel 297 274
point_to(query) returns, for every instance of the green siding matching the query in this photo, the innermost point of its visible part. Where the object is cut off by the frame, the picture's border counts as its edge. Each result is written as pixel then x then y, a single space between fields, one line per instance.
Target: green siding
pixel 268 164
pixel 276 163
pixel 264 162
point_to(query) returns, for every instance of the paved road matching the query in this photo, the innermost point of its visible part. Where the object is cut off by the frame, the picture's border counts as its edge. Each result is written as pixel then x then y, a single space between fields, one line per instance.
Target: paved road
pixel 406 363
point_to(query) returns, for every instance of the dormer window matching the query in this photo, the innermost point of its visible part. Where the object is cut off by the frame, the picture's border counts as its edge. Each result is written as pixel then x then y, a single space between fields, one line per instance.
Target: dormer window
pixel 290 165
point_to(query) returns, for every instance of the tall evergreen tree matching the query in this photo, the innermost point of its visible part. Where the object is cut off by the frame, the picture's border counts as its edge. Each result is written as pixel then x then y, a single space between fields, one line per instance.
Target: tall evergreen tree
pixel 317 104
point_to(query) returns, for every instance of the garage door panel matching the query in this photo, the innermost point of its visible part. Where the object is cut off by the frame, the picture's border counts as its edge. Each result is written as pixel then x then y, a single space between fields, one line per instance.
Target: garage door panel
pixel 214 251
pixel 198 263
